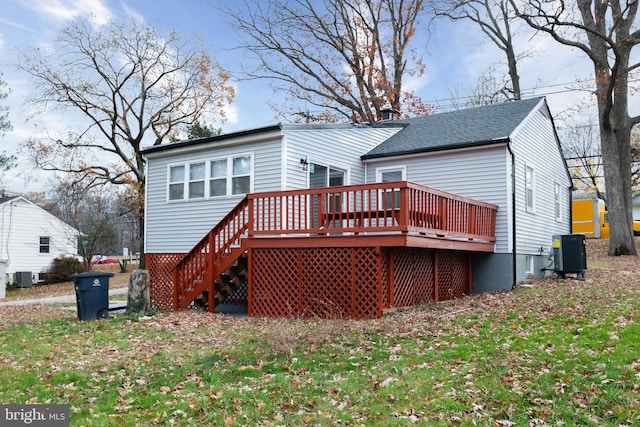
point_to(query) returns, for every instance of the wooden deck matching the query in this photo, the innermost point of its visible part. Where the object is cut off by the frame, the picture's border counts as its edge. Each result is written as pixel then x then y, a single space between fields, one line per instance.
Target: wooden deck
pixel 396 214
pixel 381 214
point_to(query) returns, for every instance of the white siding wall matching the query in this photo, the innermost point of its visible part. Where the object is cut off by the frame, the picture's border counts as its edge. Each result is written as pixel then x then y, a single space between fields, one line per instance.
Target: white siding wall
pixel 22 223
pixel 177 225
pixel 534 145
pixel 340 148
pixel 479 174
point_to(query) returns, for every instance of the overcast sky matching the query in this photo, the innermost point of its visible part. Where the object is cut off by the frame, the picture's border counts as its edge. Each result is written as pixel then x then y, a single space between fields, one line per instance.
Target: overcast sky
pixel 454 54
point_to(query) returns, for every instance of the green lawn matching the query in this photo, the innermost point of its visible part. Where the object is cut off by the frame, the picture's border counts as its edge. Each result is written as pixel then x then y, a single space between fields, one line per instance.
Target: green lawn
pixel 563 353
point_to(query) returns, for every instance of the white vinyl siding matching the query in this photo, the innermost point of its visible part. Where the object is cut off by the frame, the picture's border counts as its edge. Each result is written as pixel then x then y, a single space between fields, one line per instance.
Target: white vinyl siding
pixel 479 174
pixel 534 145
pixel 339 147
pixel 31 238
pixel 175 226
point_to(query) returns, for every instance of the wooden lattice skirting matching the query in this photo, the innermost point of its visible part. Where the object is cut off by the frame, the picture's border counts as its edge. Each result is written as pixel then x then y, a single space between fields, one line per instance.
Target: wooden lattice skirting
pixel 160 268
pixel 355 283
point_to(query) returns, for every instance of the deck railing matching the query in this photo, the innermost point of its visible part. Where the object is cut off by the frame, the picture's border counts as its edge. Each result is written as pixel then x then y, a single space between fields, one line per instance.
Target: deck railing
pixel 394 207
pixel 381 208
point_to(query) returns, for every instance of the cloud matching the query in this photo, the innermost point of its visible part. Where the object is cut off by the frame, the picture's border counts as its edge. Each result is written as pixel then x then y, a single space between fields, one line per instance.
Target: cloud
pixel 65 10
pixel 132 13
pixel 16 25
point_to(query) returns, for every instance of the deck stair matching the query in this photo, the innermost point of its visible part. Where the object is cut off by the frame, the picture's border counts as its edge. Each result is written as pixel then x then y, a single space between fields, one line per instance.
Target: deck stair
pixel 228 286
pixel 209 267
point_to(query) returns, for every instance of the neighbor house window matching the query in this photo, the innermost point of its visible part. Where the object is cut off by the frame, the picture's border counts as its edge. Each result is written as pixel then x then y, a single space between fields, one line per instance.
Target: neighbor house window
pixel 557 201
pixel 529 186
pixel 212 178
pixel 44 245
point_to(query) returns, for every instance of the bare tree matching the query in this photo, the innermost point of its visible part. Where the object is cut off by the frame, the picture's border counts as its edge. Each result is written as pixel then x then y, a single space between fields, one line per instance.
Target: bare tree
pixel 582 153
pixel 5 124
pixel 496 20
pixel 127 86
pixel 7 161
pixel 346 58
pixel 606 31
pixel 90 210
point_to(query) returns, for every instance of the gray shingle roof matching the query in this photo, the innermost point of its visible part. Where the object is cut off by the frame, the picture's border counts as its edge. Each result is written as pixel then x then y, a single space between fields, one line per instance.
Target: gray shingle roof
pixel 456 129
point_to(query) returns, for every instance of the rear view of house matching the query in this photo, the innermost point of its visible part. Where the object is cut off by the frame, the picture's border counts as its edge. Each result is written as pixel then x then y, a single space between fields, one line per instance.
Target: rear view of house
pixel 348 220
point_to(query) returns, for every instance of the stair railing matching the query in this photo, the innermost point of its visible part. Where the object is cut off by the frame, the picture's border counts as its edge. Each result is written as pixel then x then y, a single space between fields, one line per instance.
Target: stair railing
pixel 215 252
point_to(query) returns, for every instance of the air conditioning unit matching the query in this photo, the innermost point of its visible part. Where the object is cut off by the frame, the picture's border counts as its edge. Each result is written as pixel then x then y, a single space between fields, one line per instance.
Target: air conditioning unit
pixel 24 279
pixel 570 255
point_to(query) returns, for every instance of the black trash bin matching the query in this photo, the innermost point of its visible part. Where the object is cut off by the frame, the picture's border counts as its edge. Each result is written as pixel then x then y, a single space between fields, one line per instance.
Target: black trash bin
pixel 92 294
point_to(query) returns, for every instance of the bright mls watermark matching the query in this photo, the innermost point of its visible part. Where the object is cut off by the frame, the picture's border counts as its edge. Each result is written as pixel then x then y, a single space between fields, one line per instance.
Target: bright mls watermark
pixel 34 415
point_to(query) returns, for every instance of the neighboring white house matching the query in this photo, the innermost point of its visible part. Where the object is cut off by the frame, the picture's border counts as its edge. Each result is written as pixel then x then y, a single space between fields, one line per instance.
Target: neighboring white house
pixel 507 154
pixel 31 238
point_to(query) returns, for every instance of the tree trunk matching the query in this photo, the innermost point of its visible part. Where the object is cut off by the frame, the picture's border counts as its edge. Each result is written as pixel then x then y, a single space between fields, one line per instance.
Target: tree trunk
pixel 615 135
pixel 139 299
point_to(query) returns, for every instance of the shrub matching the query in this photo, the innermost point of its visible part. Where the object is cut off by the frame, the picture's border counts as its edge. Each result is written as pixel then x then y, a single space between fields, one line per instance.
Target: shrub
pixel 61 270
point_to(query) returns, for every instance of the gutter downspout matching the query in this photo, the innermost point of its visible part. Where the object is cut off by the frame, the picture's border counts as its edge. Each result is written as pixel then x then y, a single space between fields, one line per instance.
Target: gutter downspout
pixel 513 214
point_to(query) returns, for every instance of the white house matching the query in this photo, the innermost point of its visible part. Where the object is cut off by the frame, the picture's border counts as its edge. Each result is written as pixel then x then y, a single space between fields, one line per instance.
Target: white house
pixel 31 238
pixel 506 155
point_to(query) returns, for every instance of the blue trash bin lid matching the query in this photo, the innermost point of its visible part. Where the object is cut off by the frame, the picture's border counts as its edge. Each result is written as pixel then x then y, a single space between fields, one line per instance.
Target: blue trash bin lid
pixel 92 274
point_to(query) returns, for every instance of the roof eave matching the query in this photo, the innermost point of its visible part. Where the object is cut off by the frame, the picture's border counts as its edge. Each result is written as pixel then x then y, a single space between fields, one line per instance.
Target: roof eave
pixel 217 138
pixel 469 144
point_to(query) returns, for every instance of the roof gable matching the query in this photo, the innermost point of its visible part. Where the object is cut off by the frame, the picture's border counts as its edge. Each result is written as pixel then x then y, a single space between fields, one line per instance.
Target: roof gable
pixel 16 199
pixel 456 129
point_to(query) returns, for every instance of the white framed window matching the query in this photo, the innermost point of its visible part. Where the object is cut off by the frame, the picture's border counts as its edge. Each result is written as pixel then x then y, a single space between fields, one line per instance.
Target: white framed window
pixel 390 198
pixel 529 188
pixel 219 177
pixel 176 182
pixel 528 260
pixel 241 175
pixel 196 180
pixel 557 200
pixel 391 173
pixel 45 244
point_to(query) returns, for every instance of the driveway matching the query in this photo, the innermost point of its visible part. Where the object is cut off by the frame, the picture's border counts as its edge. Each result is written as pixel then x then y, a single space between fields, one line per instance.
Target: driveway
pixel 58 299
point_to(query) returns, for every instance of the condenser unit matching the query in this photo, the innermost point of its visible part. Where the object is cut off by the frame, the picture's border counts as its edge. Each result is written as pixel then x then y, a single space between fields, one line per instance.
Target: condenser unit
pixel 570 255
pixel 23 279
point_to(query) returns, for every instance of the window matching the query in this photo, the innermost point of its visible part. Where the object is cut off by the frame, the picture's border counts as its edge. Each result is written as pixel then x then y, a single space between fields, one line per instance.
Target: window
pixel 196 180
pixel 241 175
pixel 213 178
pixel 557 201
pixel 218 182
pixel 529 187
pixel 391 174
pixel 176 182
pixel 528 260
pixel 44 245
